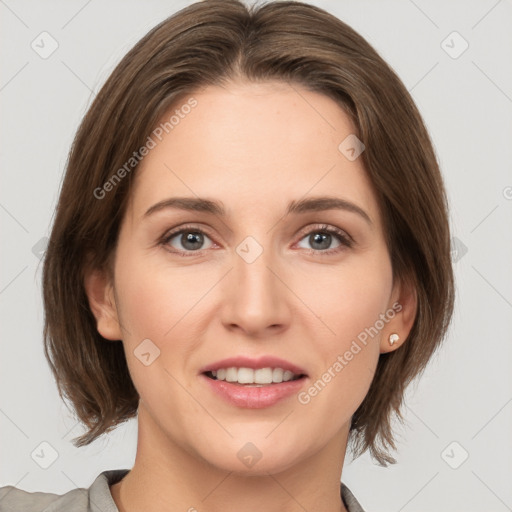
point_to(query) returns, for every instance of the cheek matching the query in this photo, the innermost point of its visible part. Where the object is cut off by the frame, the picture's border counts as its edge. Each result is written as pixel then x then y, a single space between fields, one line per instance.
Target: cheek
pixel 350 299
pixel 145 309
pixel 153 299
pixel 148 309
pixel 156 303
pixel 350 306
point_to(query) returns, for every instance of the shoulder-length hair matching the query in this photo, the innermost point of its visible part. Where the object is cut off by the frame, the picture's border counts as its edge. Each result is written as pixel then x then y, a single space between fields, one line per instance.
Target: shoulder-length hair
pixel 210 43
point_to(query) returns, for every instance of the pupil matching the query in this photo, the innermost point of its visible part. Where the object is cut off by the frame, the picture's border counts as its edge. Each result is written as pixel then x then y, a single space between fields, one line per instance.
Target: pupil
pixel 192 238
pixel 322 237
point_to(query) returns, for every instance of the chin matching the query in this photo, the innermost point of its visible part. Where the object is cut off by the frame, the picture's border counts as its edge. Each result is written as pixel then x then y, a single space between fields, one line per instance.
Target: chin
pixel 250 460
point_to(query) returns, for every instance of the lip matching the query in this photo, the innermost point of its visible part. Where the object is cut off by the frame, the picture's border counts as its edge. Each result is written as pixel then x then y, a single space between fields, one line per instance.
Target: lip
pixel 254 363
pixel 249 397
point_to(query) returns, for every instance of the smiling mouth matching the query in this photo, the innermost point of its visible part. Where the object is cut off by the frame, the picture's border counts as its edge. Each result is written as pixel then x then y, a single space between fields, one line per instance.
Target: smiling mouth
pixel 253 378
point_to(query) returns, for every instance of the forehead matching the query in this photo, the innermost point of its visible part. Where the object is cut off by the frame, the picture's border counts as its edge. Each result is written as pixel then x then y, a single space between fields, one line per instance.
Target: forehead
pixel 252 146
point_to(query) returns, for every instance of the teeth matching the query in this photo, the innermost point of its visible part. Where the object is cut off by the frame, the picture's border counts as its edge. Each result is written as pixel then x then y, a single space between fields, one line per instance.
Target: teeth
pixel 244 375
pixel 263 376
pixel 250 376
pixel 277 375
pixel 231 374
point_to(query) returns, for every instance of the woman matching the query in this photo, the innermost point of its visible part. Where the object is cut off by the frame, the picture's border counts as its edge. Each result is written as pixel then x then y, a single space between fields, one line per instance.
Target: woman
pixel 251 254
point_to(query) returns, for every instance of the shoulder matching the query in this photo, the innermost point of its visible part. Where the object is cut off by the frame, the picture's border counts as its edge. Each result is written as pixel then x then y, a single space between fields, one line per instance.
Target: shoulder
pixel 350 500
pixel 95 498
pixel 14 499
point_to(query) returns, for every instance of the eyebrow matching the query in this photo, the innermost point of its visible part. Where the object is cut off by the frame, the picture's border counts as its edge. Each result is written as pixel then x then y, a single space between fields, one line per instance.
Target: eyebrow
pixel 312 204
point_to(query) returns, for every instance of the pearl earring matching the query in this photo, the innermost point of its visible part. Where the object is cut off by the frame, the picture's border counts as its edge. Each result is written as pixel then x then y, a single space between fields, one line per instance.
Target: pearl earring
pixel 393 338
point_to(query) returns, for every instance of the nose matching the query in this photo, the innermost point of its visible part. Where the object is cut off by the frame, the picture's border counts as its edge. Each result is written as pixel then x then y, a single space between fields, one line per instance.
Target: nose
pixel 256 297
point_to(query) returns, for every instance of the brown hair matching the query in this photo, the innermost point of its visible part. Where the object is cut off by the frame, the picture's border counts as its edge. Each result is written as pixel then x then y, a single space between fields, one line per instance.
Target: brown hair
pixel 210 43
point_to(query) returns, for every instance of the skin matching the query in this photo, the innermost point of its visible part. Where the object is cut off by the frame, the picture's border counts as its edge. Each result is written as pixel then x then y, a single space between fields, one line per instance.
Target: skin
pixel 255 147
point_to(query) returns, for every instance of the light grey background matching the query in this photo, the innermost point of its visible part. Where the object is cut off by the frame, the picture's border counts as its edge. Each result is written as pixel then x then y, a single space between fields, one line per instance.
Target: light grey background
pixel 466 393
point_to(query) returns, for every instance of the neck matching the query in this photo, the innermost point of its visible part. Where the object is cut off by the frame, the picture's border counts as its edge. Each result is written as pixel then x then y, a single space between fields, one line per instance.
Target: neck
pixel 167 476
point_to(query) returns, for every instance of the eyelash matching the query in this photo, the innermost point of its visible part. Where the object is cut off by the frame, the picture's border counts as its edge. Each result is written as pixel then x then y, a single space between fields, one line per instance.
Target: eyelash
pixel 345 240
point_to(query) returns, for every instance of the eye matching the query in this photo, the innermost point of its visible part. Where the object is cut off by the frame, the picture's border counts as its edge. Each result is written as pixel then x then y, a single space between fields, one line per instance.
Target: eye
pixel 321 240
pixel 186 240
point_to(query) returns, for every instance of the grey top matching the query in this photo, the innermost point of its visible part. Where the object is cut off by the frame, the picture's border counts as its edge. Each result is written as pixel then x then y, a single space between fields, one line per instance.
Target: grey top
pixel 96 498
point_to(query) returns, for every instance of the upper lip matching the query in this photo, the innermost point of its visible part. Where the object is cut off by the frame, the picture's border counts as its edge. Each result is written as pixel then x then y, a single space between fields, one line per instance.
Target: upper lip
pixel 255 364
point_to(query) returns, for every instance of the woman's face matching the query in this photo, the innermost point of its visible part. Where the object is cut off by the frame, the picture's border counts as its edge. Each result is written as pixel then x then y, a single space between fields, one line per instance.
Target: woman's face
pixel 311 288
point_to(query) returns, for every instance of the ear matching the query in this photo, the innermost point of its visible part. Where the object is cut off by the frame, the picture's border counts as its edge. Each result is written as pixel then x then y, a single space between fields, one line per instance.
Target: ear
pixel 404 303
pixel 100 292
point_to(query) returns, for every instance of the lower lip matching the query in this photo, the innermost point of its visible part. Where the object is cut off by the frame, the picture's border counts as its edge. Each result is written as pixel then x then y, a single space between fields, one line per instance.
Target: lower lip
pixel 251 397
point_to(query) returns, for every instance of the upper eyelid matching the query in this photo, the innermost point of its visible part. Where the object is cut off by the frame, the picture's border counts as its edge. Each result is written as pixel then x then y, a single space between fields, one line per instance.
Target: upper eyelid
pixel 171 233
